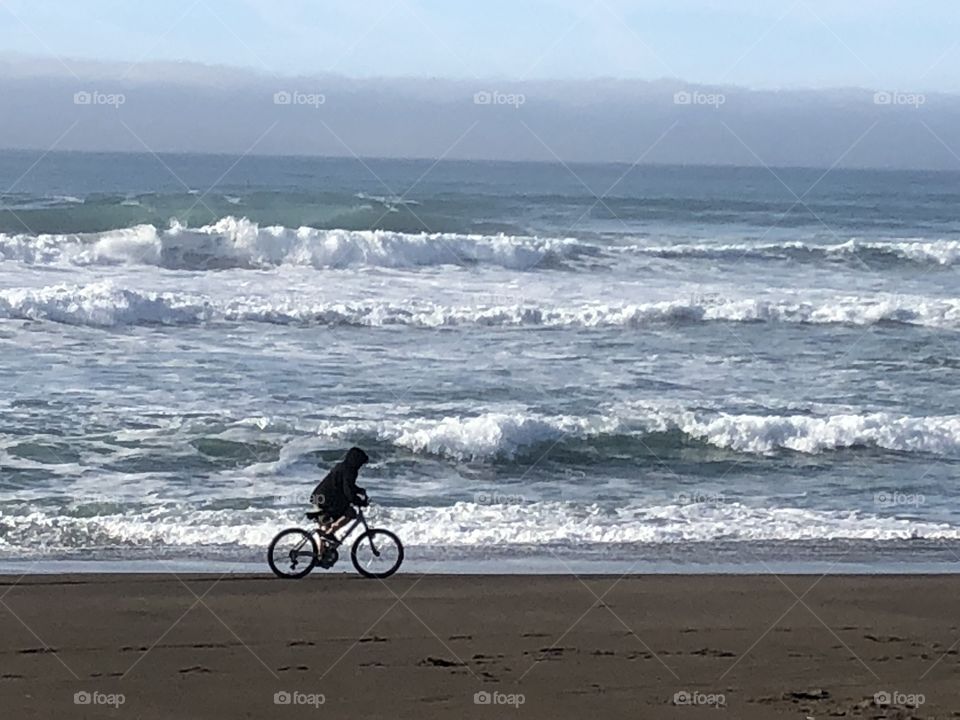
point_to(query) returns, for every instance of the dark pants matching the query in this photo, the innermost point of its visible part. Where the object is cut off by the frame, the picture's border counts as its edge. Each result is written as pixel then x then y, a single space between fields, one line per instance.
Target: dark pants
pixel 331 515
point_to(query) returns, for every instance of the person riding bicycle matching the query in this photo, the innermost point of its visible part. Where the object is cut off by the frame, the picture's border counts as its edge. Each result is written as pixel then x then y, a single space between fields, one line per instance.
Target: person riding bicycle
pixel 375 553
pixel 338 492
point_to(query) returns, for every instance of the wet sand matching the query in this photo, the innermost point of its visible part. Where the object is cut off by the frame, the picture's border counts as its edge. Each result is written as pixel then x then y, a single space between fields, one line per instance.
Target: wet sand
pixel 206 646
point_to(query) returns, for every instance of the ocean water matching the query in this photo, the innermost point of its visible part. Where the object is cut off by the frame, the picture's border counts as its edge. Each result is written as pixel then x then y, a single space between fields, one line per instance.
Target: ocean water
pixel 551 367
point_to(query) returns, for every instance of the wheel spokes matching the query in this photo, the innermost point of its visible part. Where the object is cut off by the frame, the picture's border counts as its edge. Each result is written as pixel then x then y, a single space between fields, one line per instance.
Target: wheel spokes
pixel 290 555
pixel 383 557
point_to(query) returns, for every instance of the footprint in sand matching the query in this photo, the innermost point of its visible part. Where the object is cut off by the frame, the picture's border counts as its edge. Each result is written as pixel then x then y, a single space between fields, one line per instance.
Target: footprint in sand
pixel 713 653
pixel 883 639
pixel 439 662
pixel 550 652
pixel 480 657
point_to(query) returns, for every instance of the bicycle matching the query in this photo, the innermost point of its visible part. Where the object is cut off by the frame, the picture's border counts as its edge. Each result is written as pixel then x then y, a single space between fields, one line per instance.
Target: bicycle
pixel 376 553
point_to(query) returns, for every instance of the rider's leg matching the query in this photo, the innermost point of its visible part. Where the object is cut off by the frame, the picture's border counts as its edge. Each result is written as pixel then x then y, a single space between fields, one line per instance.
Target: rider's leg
pixel 348 514
pixel 337 524
pixel 324 530
pixel 329 528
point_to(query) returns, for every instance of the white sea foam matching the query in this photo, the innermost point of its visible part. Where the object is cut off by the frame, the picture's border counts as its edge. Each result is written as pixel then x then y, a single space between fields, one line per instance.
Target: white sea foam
pixel 106 304
pixel 237 242
pixel 938 252
pixel 504 435
pixel 488 435
pixel 100 304
pixel 467 524
pixel 555 522
pixel 764 434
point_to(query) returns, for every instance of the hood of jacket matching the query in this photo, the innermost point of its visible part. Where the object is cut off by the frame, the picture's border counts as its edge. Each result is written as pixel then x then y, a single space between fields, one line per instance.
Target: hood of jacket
pixel 355 458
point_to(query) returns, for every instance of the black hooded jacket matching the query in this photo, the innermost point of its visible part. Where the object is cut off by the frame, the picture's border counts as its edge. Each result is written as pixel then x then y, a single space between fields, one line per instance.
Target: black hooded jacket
pixel 339 489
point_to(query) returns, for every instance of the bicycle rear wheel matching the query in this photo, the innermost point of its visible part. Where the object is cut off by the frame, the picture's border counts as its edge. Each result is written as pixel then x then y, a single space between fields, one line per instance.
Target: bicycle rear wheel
pixel 292 554
pixel 377 554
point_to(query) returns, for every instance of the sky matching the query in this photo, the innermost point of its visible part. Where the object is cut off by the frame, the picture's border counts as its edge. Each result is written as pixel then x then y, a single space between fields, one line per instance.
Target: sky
pixel 817 83
pixel 888 44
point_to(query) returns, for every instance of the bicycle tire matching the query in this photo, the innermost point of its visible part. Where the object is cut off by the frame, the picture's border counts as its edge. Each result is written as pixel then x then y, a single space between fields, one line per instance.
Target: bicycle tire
pixel 369 536
pixel 308 564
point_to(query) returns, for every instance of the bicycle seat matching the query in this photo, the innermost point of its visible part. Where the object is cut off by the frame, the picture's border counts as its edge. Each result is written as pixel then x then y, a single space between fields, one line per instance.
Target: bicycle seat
pixel 314 514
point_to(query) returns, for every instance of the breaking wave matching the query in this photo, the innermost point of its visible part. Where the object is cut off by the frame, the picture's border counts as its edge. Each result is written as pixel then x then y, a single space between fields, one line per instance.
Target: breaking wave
pixel 239 243
pixel 920 251
pixel 507 435
pixel 234 242
pixel 462 524
pixel 106 304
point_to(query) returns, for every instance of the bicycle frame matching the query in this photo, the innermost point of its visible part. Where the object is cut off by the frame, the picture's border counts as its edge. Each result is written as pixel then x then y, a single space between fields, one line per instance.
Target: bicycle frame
pixel 361 520
pixel 324 554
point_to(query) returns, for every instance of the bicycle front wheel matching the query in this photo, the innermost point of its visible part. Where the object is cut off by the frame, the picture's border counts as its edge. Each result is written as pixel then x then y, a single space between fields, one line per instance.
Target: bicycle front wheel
pixel 377 554
pixel 292 554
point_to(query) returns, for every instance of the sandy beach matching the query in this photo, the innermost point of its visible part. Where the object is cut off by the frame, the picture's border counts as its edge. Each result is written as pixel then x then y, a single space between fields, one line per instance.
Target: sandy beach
pixel 206 646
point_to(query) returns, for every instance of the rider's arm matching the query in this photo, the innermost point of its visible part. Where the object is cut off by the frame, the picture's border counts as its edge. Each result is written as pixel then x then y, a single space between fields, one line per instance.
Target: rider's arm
pixel 355 493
